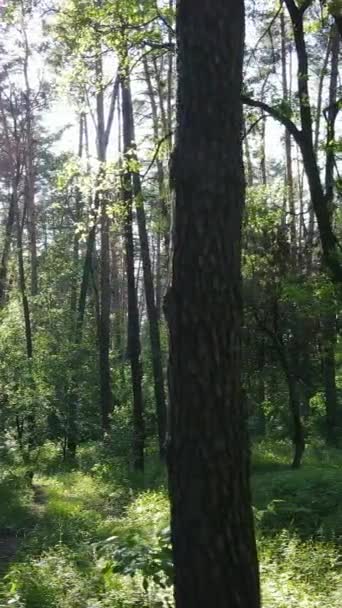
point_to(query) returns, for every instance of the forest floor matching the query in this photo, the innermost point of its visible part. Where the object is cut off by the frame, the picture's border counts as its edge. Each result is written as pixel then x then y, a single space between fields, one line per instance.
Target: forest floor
pixel 94 536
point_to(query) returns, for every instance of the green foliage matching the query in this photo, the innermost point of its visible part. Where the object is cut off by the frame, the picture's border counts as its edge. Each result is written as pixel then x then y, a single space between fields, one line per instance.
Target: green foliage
pixel 101 540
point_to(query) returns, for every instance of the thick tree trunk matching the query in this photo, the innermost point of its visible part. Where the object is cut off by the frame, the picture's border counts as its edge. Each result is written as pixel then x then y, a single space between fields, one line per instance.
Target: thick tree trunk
pixel 152 313
pixel 211 517
pixel 133 329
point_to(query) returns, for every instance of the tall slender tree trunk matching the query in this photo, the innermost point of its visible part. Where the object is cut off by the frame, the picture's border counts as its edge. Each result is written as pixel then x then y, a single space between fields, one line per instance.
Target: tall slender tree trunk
pixel 211 518
pixel 263 165
pixel 289 182
pixel 106 398
pixel 29 188
pixel 163 190
pixel 322 76
pixel 71 431
pixel 297 425
pixel 306 141
pixel 133 329
pixel 10 221
pixel 170 79
pixel 152 312
pixel 261 386
pixel 329 326
pixel 249 164
pixel 329 341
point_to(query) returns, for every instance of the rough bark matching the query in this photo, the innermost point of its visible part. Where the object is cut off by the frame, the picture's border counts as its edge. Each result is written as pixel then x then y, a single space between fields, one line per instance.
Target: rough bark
pixel 211 518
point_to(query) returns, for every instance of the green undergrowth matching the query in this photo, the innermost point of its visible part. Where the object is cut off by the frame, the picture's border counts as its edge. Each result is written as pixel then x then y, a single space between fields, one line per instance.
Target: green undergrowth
pixel 99 536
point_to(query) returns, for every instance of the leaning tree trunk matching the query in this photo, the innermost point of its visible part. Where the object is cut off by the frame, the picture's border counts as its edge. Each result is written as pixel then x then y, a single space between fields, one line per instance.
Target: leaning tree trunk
pixel 211 518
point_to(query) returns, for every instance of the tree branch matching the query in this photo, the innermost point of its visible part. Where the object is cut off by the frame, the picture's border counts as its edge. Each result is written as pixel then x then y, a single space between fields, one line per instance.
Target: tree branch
pixel 155 155
pixel 266 31
pixel 110 118
pixel 252 127
pixel 304 7
pixel 277 115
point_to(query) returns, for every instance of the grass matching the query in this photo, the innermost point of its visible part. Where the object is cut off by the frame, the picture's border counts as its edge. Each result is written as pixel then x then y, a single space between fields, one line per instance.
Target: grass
pixel 97 540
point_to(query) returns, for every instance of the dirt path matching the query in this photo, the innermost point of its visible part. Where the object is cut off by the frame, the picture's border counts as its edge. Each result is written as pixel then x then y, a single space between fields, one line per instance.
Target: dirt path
pixel 8 549
pixel 9 541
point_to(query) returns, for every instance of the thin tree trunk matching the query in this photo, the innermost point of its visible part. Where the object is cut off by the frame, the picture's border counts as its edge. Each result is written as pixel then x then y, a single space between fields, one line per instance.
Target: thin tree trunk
pixel 329 377
pixel 6 249
pixel 170 77
pixel 316 144
pixel 106 398
pixel 329 325
pixel 261 386
pixel 288 144
pixel 297 425
pixel 22 287
pixel 318 198
pixel 29 189
pixel 71 431
pixel 152 313
pixel 164 207
pixel 133 330
pixel 263 165
pixel 211 518
pixel 249 164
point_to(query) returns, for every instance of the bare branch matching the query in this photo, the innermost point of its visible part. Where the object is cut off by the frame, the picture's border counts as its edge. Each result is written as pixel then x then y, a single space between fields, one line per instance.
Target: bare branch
pixel 155 155
pixel 277 115
pixel 266 31
pixel 252 127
